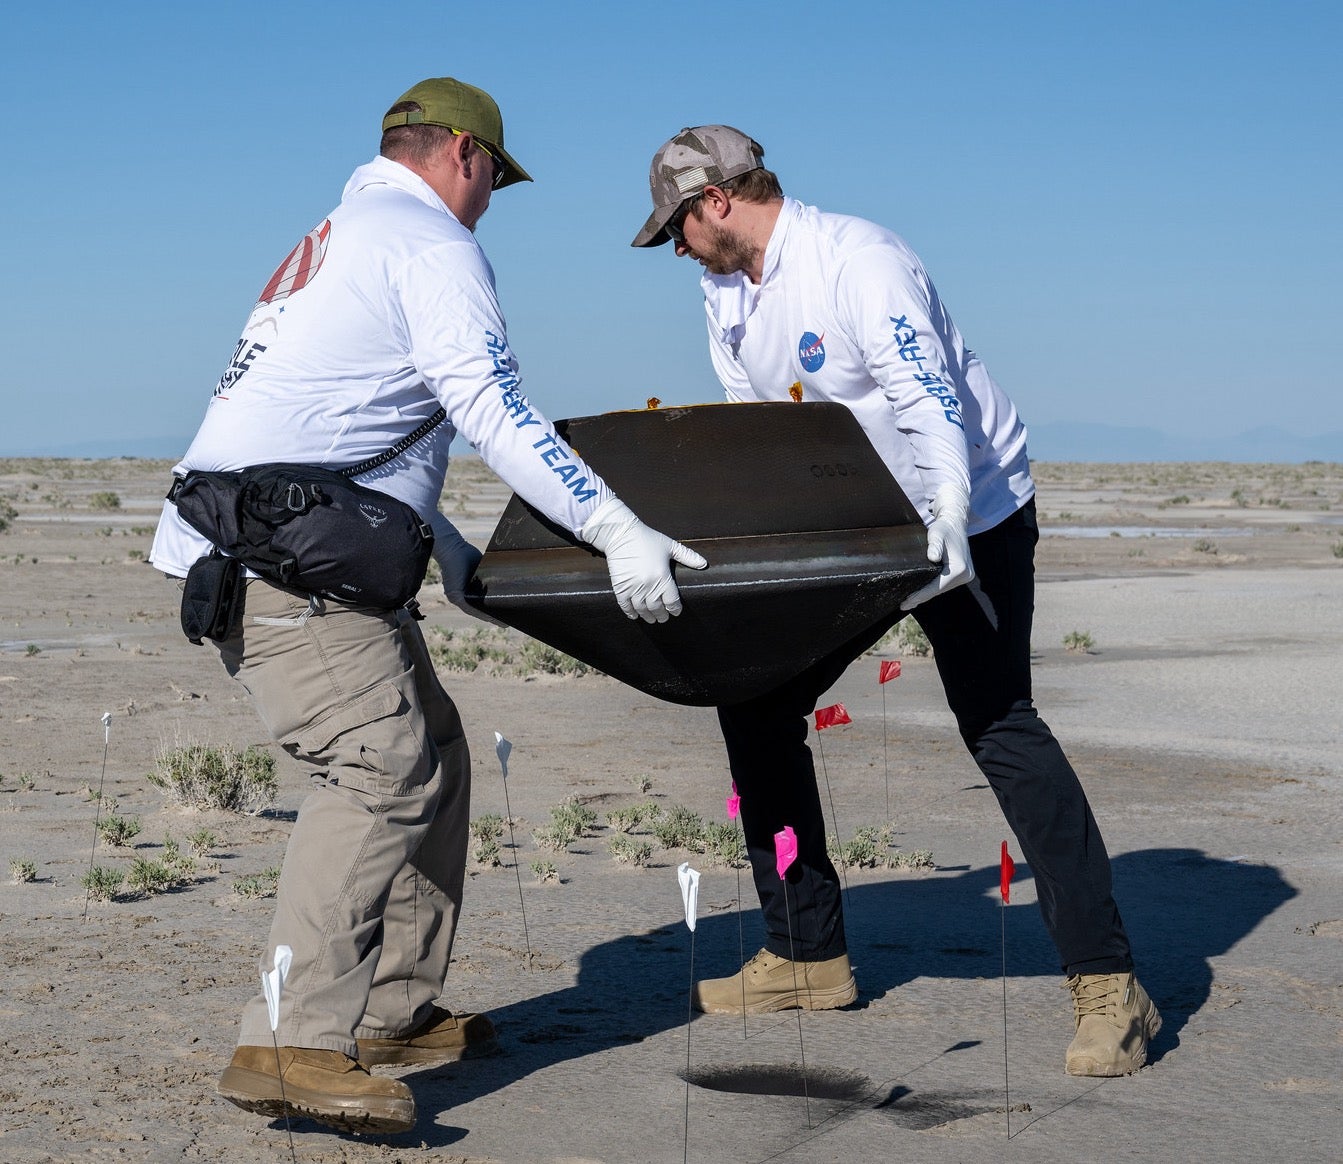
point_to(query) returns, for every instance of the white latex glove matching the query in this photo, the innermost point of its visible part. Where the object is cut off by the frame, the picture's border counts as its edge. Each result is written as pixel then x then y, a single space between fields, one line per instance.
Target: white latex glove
pixel 457 560
pixel 639 559
pixel 948 543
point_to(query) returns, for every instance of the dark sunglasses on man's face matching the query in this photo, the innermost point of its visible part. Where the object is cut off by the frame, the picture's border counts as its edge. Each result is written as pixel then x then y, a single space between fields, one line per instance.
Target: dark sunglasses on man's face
pixel 496 162
pixel 676 222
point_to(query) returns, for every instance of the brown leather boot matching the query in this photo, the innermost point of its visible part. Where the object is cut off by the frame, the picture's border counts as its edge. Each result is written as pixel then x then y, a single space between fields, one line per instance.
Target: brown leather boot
pixel 768 983
pixel 326 1086
pixel 443 1037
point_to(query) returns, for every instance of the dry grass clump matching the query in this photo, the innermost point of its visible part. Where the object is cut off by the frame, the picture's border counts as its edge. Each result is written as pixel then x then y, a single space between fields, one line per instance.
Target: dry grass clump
pixel 201 842
pixel 627 851
pixel 102 883
pixel 467 650
pixel 872 848
pixel 724 844
pixel 907 637
pixel 498 651
pixel 148 877
pixel 257 885
pixel 568 822
pixel 488 826
pixel 202 776
pixel 633 816
pixel 545 871
pixel 487 829
pixel 118 831
pixel 680 828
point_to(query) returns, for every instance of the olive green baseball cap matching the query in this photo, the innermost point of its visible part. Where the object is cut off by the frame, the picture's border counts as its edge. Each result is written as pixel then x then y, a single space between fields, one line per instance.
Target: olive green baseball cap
pixel 457 105
pixel 705 155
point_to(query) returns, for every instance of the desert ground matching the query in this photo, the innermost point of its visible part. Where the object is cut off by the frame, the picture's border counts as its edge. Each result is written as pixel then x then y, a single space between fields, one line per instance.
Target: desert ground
pixel 1198 696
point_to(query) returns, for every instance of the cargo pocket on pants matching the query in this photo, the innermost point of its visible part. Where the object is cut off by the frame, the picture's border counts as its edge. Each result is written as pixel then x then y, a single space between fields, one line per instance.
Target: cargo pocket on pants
pixel 369 744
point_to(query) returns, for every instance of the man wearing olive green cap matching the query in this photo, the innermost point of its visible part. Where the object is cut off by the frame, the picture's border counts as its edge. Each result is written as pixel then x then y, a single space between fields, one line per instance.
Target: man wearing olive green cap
pixel 383 317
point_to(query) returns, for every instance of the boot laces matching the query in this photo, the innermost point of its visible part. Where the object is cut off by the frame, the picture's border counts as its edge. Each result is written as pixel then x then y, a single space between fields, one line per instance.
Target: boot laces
pixel 1091 993
pixel 759 961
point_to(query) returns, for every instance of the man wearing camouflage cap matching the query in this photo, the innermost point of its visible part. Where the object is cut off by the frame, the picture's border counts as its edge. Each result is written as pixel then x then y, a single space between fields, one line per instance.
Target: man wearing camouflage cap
pixel 816 306
pixel 382 318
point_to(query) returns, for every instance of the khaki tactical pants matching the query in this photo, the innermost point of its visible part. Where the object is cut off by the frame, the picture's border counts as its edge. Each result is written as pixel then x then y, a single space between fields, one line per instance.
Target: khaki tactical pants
pixel 372 878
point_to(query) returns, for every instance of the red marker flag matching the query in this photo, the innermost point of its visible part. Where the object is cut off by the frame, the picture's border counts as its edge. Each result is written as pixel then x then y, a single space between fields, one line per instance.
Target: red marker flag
pixel 1006 868
pixel 785 849
pixel 830 716
pixel 890 669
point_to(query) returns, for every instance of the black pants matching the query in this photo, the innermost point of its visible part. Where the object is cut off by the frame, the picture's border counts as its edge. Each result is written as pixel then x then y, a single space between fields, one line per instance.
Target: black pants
pixel 981 636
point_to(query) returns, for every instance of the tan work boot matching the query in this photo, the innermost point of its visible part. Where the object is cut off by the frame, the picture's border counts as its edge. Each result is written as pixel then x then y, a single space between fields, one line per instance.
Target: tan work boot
pixel 326 1086
pixel 443 1037
pixel 768 982
pixel 1114 1018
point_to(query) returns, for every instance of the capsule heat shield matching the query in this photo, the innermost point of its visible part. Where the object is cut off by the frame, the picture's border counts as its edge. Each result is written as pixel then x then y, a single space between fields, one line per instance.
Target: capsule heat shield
pixel 810 542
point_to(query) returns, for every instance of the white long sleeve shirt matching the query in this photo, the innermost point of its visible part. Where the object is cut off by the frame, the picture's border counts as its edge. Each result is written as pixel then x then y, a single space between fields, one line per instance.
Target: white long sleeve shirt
pixel 845 310
pixel 383 312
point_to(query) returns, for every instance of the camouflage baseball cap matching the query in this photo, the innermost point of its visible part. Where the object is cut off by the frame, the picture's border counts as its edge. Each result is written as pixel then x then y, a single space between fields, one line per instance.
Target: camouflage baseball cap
pixel 457 105
pixel 707 155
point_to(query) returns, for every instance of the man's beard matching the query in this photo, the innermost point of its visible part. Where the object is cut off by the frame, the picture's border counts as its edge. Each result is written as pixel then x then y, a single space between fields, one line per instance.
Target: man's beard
pixel 727 252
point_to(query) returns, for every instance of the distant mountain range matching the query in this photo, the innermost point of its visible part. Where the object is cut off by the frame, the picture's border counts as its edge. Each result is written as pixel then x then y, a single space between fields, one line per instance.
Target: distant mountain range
pixel 1070 441
pixel 1061 441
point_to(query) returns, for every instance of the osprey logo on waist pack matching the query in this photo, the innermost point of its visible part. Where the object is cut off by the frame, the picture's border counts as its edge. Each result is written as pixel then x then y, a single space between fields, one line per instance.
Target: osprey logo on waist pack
pixel 372 514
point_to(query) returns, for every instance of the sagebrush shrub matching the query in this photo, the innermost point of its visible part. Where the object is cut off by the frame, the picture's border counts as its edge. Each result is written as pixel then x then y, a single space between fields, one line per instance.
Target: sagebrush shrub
pixel 224 777
pixel 679 828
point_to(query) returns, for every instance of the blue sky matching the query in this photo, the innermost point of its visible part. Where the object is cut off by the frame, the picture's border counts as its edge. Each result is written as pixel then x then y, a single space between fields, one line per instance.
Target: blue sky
pixel 1132 209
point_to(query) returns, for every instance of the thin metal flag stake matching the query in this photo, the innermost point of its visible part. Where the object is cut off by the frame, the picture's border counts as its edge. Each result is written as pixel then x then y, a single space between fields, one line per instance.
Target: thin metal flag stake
pixel 689 879
pixel 733 813
pixel 887 670
pixel 272 986
pixel 501 749
pixel 785 853
pixel 98 810
pixel 1006 867
pixel 829 717
pixel 885 754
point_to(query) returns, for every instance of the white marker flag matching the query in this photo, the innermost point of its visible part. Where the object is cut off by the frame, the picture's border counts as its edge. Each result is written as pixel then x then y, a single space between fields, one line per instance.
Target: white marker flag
pixel 272 982
pixel 501 749
pixel 689 879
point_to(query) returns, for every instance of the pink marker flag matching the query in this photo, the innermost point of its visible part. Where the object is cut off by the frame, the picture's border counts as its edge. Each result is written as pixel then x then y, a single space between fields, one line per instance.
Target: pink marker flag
pixel 733 803
pixel 831 716
pixel 785 849
pixel 890 669
pixel 1006 868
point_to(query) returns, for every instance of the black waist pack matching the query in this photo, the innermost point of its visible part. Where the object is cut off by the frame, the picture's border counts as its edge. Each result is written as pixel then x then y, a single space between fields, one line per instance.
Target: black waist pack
pixel 311 529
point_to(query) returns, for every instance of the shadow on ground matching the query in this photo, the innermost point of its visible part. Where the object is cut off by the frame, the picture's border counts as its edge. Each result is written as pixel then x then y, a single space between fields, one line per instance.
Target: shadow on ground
pixel 1181 908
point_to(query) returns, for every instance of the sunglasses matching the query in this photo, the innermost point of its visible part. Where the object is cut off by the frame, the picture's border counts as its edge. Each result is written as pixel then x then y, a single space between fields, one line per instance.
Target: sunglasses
pixel 499 168
pixel 676 222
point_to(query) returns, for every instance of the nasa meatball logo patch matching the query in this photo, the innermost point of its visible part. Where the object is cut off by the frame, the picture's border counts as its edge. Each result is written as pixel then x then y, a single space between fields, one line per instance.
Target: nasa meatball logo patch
pixel 811 351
